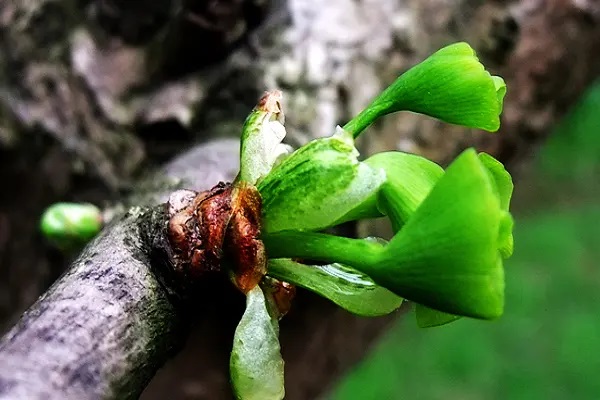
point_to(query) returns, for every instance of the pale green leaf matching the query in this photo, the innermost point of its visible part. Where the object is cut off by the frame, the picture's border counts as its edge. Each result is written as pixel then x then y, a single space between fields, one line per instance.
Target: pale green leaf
pixel 256 364
pixel 261 148
pixel 320 185
pixel 345 286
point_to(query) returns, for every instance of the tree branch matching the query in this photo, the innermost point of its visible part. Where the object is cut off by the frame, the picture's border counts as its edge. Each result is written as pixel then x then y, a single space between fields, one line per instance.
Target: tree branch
pixel 105 327
pixel 100 332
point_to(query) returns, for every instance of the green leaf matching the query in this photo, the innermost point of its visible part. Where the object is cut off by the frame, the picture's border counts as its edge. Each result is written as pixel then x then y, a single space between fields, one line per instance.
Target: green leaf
pixel 410 178
pixel 320 185
pixel 345 286
pixel 256 364
pixel 505 237
pixel 500 87
pixel 428 318
pixel 70 224
pixel 447 255
pixel 358 253
pixel 503 185
pixel 262 134
pixel 501 179
pixel 451 85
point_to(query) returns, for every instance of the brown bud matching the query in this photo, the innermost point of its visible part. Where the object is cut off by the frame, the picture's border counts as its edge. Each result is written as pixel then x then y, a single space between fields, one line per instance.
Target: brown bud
pixel 270 102
pixel 220 224
pixel 280 294
pixel 245 249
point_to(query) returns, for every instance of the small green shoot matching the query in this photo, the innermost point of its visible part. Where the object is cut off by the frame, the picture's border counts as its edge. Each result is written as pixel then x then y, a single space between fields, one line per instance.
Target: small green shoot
pixel 69 225
pixel 452 228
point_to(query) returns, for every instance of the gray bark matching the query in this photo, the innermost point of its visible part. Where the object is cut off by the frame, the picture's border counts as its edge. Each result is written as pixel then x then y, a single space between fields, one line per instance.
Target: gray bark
pixel 105 327
pixel 100 332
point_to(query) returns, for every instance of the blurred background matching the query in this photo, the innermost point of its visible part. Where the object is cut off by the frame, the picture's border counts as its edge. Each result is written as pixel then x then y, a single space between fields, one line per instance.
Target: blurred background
pixel 547 343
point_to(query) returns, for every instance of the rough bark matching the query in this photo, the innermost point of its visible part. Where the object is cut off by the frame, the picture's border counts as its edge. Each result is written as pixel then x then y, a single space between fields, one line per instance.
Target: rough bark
pixel 92 92
pixel 100 332
pixel 105 327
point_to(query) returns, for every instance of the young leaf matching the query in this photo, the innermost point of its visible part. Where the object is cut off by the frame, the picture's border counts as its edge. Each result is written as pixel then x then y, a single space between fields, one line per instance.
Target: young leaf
pixel 410 178
pixel 451 85
pixel 256 364
pixel 320 185
pixel 409 181
pixel 428 318
pixel 501 179
pixel 345 286
pixel 447 255
pixel 503 185
pixel 262 134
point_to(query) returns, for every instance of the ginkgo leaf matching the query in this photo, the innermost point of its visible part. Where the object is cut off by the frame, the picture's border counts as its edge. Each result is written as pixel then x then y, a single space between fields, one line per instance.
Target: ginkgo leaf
pixel 446 257
pixel 345 286
pixel 409 179
pixel 320 185
pixel 256 364
pixel 451 85
pixel 504 187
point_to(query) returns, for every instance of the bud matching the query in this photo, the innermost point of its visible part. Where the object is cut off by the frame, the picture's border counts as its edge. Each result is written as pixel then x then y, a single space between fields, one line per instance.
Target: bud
pixel 71 224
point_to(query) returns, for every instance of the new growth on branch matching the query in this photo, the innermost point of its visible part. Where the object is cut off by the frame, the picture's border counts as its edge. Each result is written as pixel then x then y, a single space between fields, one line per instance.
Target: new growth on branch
pixel 452 228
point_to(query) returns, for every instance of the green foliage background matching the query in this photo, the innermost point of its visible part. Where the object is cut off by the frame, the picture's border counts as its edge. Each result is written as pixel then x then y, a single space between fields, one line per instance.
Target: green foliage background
pixel 547 344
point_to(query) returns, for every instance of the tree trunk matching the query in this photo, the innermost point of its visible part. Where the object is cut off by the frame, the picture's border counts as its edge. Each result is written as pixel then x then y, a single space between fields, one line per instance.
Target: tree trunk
pixel 94 92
